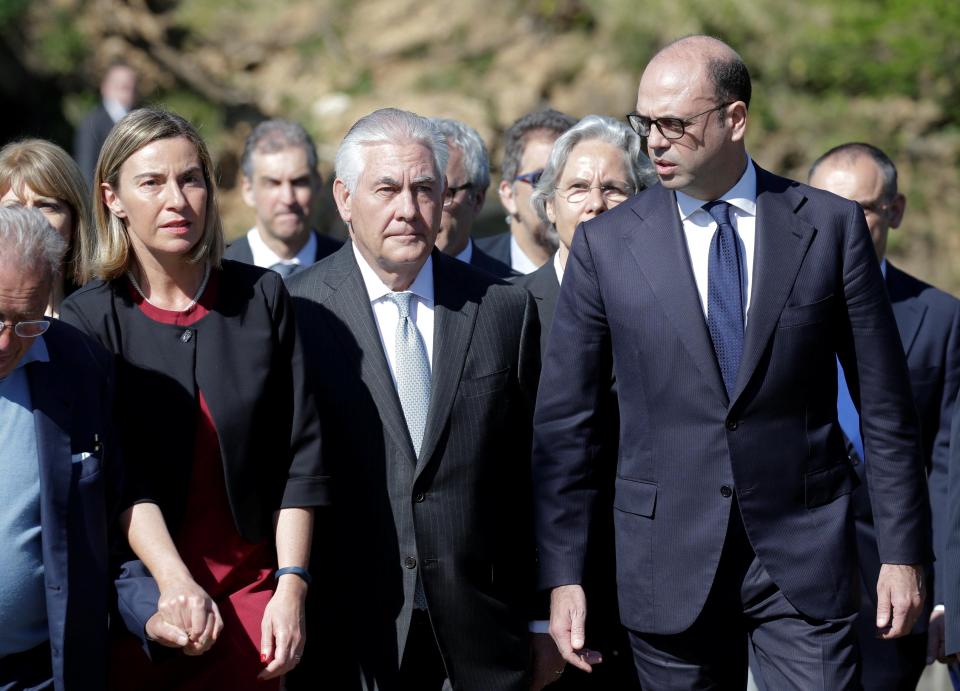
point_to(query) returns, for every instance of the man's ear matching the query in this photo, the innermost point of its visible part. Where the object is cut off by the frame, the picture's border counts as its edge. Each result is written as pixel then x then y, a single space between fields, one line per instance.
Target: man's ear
pixel 112 201
pixel 506 197
pixel 897 207
pixel 478 199
pixel 344 200
pixel 736 116
pixel 246 190
pixel 551 210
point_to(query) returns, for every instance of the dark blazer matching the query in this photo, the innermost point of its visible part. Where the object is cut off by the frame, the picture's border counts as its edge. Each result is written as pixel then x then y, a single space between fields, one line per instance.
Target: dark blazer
pixel 72 398
pixel 494 267
pixel 89 138
pixel 545 289
pixel 239 249
pixel 459 515
pixel 497 246
pixel 629 306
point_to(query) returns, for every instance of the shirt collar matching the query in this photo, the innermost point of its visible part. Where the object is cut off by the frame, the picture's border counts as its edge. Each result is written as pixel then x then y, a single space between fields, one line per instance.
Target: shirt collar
pixel 519 261
pixel 266 257
pixel 36 352
pixel 422 285
pixel 557 266
pixel 743 195
pixel 466 256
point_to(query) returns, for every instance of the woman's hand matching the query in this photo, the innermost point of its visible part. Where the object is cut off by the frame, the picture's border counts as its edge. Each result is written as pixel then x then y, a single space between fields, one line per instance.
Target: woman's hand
pixel 283 629
pixel 186 607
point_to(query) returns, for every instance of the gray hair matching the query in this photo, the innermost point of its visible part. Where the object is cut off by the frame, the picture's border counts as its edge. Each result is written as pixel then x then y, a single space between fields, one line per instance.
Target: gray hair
pixel 271 136
pixel 27 240
pixel 476 161
pixel 640 173
pixel 387 126
pixel 515 138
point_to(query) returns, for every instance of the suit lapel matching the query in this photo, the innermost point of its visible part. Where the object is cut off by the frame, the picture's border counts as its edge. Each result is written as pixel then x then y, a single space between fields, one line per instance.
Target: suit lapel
pixel 908 313
pixel 782 240
pixel 659 247
pixel 350 303
pixel 454 318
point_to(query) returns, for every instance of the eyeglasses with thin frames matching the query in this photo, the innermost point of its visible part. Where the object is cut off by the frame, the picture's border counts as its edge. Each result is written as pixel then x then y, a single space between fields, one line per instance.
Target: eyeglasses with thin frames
pixel 577 193
pixel 531 178
pixel 27 329
pixel 449 197
pixel 670 128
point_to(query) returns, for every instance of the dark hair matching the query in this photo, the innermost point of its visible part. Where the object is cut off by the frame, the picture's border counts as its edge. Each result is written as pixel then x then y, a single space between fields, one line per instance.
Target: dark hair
pixel 731 80
pixel 271 136
pixel 515 138
pixel 851 151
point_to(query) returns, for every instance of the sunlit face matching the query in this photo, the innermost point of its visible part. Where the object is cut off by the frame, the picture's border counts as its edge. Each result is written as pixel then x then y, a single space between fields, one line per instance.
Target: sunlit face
pixel 281 192
pixel 594 179
pixel 394 213
pixel 861 181
pixel 696 163
pixel 461 206
pixel 23 297
pixel 120 85
pixel 515 195
pixel 161 197
pixel 56 211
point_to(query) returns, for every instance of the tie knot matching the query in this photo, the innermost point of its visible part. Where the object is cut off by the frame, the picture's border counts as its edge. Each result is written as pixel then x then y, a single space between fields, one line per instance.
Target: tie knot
pixel 402 301
pixel 720 210
pixel 284 269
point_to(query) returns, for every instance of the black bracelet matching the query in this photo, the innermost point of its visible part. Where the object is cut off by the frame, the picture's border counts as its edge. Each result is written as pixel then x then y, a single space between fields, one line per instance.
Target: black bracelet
pixel 296 571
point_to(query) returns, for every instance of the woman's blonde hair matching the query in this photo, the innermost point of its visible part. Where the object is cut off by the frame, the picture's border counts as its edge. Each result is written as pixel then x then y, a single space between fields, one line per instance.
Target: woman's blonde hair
pixel 109 255
pixel 49 171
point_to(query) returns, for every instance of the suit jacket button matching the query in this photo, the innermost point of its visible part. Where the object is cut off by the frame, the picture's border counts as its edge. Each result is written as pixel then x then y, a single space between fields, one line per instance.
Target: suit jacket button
pixel 410 563
pixel 726 492
pixel 419 497
pixel 732 424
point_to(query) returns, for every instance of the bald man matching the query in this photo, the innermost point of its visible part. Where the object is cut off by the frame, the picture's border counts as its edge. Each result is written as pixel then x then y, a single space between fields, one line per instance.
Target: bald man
pixel 929 324
pixel 720 300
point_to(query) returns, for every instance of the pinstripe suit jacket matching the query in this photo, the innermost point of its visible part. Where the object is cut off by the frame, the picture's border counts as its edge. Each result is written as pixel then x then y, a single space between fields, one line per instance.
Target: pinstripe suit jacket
pixel 459 515
pixel 629 304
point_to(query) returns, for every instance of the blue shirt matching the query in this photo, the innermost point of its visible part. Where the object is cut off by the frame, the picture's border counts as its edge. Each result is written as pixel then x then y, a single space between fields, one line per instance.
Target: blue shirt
pixel 23 608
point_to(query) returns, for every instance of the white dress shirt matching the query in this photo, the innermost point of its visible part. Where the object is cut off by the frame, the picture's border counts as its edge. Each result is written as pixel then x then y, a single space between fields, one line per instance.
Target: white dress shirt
pixel 387 316
pixel 699 227
pixel 114 109
pixel 519 261
pixel 558 267
pixel 266 257
pixel 466 256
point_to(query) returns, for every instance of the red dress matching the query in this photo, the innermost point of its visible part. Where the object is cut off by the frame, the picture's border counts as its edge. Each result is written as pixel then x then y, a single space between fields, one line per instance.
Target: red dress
pixel 237 574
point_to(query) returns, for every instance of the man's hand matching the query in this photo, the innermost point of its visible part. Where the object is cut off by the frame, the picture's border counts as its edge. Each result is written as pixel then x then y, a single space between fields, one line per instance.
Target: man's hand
pixel 899 599
pixel 165 634
pixel 186 606
pixel 568 620
pixel 935 639
pixel 548 664
pixel 283 629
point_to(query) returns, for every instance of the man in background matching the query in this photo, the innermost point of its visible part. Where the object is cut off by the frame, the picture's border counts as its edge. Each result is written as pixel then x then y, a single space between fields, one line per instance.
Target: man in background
pixel 281 184
pixel 530 242
pixel 929 324
pixel 468 177
pixel 118 94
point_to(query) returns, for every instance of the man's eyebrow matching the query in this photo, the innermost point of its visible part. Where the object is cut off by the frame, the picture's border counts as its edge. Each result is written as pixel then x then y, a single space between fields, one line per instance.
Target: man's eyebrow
pixel 424 178
pixel 387 180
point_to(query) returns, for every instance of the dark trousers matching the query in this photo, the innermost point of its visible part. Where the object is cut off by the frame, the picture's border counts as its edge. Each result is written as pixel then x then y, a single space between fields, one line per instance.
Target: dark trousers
pixel 888 665
pixel 27 671
pixel 422 667
pixel 745 609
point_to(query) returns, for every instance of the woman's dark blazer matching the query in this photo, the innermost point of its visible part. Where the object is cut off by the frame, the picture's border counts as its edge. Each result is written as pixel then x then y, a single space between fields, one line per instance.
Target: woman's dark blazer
pixel 245 356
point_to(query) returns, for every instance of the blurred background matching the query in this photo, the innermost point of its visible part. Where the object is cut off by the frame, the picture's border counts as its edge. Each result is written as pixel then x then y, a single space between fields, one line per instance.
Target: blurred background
pixel 825 72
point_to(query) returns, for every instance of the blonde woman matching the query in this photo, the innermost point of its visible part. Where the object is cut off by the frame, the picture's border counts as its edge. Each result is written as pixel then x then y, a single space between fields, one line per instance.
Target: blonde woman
pixel 221 444
pixel 38 174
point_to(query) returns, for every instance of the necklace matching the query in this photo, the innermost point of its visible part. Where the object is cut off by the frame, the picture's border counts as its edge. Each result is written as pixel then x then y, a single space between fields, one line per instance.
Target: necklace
pixel 203 286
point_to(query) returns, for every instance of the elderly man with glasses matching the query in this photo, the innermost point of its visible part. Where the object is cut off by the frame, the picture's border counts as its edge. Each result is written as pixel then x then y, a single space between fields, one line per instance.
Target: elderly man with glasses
pixel 530 242
pixel 57 464
pixel 720 299
pixel 468 177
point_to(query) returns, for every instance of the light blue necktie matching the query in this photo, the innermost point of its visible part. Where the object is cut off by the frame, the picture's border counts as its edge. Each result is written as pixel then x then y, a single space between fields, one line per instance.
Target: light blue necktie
pixel 847 413
pixel 412 370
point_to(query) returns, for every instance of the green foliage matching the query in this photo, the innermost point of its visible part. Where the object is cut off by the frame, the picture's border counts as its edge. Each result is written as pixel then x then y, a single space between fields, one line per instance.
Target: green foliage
pixel 205 116
pixel 60 45
pixel 11 11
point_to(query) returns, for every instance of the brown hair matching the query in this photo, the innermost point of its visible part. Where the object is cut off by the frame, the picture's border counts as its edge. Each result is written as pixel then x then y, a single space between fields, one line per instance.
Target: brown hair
pixel 49 171
pixel 109 255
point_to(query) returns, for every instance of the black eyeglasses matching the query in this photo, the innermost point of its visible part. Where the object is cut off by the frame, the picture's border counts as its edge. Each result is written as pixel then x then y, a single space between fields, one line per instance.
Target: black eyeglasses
pixel 28 329
pixel 452 192
pixel 670 128
pixel 531 178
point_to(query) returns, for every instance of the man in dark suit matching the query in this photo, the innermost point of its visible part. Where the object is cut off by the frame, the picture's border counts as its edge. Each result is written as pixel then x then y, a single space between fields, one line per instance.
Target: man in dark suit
pixel 281 184
pixel 467 177
pixel 722 323
pixel 530 242
pixel 929 324
pixel 59 475
pixel 118 93
pixel 424 371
